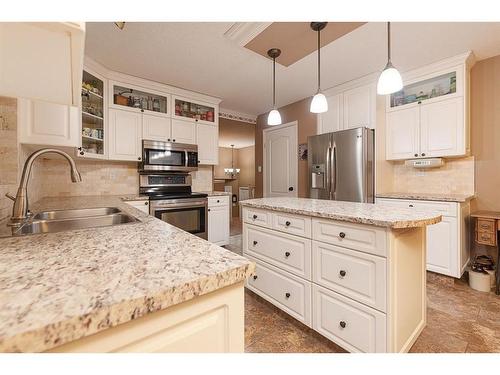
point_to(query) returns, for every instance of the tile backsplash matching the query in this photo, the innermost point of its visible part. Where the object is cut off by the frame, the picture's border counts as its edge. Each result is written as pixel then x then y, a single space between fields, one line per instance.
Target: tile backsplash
pixel 456 176
pixel 8 153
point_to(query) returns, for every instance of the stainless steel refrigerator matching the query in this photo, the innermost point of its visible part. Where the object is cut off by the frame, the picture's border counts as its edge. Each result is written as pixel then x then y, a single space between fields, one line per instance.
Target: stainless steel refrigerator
pixel 341 165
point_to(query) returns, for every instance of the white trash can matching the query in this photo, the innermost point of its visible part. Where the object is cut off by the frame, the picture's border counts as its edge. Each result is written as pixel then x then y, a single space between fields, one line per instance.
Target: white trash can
pixel 480 281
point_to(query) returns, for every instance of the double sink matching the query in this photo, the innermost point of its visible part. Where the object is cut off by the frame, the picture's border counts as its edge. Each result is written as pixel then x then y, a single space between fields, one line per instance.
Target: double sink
pixel 65 220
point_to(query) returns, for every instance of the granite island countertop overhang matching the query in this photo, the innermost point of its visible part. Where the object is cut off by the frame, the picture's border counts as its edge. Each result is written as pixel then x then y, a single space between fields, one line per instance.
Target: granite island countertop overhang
pixel 382 215
pixel 59 287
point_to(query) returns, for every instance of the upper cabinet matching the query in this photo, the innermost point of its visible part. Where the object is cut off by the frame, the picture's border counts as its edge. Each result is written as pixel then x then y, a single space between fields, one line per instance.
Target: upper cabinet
pixel 429 117
pixel 196 111
pixel 133 98
pixel 349 108
pixel 42 61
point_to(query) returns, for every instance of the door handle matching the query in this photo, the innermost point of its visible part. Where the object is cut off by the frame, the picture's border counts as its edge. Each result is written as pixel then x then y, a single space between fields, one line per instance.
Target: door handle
pixel 290 188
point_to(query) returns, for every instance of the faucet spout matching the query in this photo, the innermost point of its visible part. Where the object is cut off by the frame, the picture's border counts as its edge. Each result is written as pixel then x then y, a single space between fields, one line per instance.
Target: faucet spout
pixel 20 208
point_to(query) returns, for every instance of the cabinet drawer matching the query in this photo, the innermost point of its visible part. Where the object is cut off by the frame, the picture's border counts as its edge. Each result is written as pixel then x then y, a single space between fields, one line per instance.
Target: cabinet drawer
pixel 288 252
pixel 293 224
pixel 441 208
pixel 355 327
pixel 218 201
pixel 485 225
pixel 366 238
pixel 288 292
pixel 257 217
pixel 486 238
pixel 352 273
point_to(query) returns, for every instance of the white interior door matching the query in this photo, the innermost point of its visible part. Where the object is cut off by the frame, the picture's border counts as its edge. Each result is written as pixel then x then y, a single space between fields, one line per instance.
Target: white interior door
pixel 281 161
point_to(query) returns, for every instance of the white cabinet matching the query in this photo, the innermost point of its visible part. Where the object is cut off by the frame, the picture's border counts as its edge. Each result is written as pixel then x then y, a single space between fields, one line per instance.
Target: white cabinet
pixel 125 131
pixel 442 128
pixel 218 220
pixel 156 128
pixel 42 61
pixel 359 107
pixel 332 120
pixel 44 123
pixel 141 205
pixel 207 138
pixel 183 131
pixel 402 132
pixel 348 109
pixel 447 241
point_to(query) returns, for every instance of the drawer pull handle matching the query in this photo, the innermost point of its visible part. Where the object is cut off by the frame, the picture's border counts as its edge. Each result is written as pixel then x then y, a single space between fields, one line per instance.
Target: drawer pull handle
pixel 485 226
pixel 410 205
pixel 218 201
pixel 255 243
pixel 342 324
pixel 254 217
pixel 255 277
pixel 288 223
pixel 342 273
pixel 287 295
pixel 287 254
pixel 342 235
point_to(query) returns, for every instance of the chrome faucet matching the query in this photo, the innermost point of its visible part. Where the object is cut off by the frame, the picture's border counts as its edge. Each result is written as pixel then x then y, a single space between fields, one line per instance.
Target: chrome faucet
pixel 20 211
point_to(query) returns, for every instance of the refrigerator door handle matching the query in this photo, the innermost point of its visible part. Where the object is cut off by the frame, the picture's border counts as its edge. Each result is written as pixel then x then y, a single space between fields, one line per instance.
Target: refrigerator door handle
pixel 334 173
pixel 328 172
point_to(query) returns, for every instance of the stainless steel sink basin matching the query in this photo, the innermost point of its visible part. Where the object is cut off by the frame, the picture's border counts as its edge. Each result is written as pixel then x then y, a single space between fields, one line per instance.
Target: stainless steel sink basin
pixel 78 213
pixel 65 220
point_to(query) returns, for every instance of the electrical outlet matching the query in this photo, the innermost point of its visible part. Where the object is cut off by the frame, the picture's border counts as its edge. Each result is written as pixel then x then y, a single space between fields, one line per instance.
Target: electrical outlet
pixel 259 169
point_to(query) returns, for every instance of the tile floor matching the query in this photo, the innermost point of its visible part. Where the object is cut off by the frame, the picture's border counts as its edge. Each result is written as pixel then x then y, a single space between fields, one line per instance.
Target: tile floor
pixel 459 320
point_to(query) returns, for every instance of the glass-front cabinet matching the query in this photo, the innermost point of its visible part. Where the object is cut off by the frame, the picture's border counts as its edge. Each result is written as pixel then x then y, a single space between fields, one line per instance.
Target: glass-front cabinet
pixel 189 110
pixel 429 89
pixel 93 129
pixel 137 99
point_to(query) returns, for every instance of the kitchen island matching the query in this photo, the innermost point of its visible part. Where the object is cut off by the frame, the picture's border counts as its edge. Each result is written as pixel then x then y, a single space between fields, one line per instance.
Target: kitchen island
pixel 354 272
pixel 144 286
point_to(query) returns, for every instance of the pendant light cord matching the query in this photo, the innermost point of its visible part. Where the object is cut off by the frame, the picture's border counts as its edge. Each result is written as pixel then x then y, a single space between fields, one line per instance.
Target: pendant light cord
pixel 389 42
pixel 274 82
pixel 319 62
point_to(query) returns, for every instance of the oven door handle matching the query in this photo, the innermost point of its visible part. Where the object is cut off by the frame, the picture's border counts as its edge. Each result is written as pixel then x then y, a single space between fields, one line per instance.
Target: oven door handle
pixel 180 205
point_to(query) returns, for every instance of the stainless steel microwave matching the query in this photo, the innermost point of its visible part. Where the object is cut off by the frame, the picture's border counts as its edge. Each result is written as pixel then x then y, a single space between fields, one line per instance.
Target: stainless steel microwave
pixel 168 156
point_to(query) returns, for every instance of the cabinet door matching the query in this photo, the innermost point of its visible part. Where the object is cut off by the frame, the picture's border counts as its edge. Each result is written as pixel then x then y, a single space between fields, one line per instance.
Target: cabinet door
pixel 45 123
pixel 359 107
pixel 442 130
pixel 156 128
pixel 218 225
pixel 442 247
pixel 402 134
pixel 332 120
pixel 207 137
pixel 125 135
pixel 183 132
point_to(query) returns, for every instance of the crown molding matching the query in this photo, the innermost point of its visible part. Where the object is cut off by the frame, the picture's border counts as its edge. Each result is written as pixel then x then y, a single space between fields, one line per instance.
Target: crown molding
pixel 244 32
pixel 237 116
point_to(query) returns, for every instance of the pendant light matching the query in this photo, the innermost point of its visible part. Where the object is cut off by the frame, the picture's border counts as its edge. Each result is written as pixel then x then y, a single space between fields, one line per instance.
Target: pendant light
pixel 319 103
pixel 274 117
pixel 232 171
pixel 390 80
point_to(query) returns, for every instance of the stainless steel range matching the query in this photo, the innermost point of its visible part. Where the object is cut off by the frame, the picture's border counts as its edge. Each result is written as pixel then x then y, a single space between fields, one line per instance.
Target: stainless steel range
pixel 172 200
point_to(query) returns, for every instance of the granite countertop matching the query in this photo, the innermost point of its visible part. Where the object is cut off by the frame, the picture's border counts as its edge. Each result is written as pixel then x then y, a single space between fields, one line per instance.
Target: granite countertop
pixel 134 197
pixel 59 287
pixel 215 193
pixel 461 198
pixel 383 215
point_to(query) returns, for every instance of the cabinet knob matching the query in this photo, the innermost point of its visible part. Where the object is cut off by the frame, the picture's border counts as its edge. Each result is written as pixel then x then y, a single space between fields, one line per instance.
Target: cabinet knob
pixel 255 277
pixel 342 324
pixel 416 155
pixel 342 235
pixel 287 254
pixel 288 223
pixel 142 110
pixel 423 153
pixel 218 201
pixel 287 295
pixel 79 148
pixel 254 217
pixel 342 273
pixel 173 140
pixel 208 210
pixel 169 141
pixel 146 203
pixel 290 188
pixel 410 205
pixel 419 102
pixel 139 158
pixel 82 153
pixel 255 243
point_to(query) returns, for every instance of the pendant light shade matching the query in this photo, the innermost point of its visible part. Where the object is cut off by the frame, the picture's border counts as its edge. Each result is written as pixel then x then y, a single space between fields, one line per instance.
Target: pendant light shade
pixel 274 117
pixel 318 102
pixel 390 80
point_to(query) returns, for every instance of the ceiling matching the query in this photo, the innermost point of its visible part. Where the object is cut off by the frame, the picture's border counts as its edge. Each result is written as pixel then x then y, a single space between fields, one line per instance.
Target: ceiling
pixel 197 56
pixel 239 134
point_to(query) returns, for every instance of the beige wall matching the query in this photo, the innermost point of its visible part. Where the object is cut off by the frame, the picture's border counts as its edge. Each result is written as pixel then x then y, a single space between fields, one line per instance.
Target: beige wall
pixel 485 132
pixel 298 111
pixel 246 162
pixel 241 134
pixel 8 154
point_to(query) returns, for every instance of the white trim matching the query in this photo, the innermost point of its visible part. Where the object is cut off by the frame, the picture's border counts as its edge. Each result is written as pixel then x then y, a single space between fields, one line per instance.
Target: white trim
pixel 237 116
pixel 244 32
pixel 264 135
